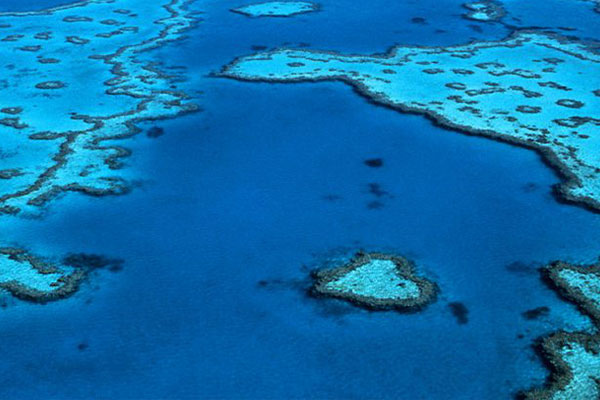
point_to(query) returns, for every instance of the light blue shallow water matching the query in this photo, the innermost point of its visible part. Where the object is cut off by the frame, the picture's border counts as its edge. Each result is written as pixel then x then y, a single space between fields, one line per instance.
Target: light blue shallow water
pixel 31 5
pixel 235 195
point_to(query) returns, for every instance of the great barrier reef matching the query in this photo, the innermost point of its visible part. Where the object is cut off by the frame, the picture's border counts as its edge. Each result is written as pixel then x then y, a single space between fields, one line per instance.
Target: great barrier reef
pixel 326 199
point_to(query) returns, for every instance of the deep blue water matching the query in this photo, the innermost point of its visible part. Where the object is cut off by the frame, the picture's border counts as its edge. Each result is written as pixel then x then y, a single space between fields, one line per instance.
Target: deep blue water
pixel 234 195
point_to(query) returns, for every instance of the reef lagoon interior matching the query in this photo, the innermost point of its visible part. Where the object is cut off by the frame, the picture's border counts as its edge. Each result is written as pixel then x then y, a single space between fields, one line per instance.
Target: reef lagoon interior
pixel 163 217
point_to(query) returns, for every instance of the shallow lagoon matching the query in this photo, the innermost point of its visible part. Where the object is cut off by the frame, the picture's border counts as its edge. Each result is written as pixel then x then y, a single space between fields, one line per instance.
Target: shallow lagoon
pixel 31 5
pixel 276 9
pixel 234 195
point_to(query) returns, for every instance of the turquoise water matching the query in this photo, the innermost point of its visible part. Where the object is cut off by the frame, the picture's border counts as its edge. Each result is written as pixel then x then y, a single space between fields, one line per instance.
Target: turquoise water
pixel 31 5
pixel 233 206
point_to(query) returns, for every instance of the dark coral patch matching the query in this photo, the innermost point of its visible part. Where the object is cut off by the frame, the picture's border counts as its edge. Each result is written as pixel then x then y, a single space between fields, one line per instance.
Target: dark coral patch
pixel 461 71
pixel 570 103
pixel 49 85
pixel 555 85
pixel 77 18
pixel 31 48
pixel 11 110
pixel 12 38
pixel 575 122
pixel 374 162
pixel 155 132
pixel 433 71
pixel 13 123
pixel 529 109
pixel 48 60
pixel 43 35
pixel 111 22
pixel 456 85
pixel 536 313
pixel 376 190
pixel 109 34
pixel 77 40
pixel 460 312
pixel 10 173
pixel 92 261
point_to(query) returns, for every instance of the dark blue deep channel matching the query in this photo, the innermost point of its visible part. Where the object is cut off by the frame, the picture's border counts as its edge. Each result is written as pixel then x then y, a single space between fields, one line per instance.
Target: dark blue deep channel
pixel 236 204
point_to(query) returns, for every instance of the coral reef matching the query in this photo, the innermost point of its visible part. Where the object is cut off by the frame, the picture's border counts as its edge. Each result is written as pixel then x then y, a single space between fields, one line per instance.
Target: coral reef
pixel 573 357
pixel 63 136
pixel 276 9
pixel 31 278
pixel 376 281
pixel 520 100
pixel 485 11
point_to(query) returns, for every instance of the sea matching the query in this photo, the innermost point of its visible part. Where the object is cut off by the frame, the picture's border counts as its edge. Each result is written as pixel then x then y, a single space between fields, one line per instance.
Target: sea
pixel 235 205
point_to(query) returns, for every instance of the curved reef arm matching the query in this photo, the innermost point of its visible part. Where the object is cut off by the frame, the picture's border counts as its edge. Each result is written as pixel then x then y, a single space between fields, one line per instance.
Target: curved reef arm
pixel 532 89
